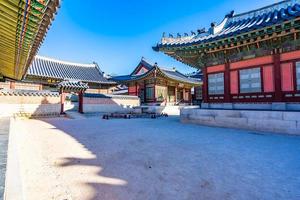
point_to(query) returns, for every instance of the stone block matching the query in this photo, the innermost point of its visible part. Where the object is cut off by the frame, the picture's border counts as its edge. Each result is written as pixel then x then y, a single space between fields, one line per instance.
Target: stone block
pixel 252 106
pixel 228 106
pixel 291 116
pixel 228 113
pixel 205 105
pixel 262 114
pixel 293 106
pixel 231 122
pixel 272 125
pixel 279 106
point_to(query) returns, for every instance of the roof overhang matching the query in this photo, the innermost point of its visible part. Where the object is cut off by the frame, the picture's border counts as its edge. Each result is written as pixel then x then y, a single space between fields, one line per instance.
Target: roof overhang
pixel 23 26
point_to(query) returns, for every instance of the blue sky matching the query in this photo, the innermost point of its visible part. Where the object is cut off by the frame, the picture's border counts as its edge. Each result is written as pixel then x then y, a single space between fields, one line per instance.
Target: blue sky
pixel 117 33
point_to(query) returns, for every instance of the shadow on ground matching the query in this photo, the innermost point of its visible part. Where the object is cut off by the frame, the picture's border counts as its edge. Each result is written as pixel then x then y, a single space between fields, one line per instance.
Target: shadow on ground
pixel 164 159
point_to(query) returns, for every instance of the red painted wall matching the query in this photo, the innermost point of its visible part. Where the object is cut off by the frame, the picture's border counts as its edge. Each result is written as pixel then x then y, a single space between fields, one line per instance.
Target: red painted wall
pixel 268 78
pixel 287 79
pixel 234 82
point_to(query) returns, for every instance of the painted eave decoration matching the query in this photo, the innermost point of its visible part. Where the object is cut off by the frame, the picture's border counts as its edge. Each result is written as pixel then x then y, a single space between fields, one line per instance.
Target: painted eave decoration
pixel 232 27
pixel 23 26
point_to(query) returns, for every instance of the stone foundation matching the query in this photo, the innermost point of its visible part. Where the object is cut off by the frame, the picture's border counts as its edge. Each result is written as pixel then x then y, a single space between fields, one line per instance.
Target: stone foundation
pixel 280 106
pixel 270 121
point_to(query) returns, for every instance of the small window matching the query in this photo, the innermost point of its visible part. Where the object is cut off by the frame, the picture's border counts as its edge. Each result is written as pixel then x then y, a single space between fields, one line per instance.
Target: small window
pixel 250 80
pixel 298 75
pixel 216 84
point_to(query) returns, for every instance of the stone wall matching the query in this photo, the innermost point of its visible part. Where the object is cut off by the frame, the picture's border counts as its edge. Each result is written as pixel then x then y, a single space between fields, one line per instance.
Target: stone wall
pixel 109 103
pixel 270 121
pixel 29 103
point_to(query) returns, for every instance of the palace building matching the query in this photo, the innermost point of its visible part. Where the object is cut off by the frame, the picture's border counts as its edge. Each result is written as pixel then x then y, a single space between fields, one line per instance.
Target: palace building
pixel 47 74
pixel 157 85
pixel 247 58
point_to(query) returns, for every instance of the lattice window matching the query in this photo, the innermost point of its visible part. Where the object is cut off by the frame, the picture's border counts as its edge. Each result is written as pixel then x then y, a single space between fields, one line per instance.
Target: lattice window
pixel 216 83
pixel 149 92
pixel 250 80
pixel 298 75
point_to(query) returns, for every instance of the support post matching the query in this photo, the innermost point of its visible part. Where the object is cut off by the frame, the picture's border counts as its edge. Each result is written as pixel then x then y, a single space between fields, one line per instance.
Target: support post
pixel 277 77
pixel 227 82
pixel 80 101
pixel 205 86
pixel 62 101
pixel 176 89
pixel 12 85
pixel 145 92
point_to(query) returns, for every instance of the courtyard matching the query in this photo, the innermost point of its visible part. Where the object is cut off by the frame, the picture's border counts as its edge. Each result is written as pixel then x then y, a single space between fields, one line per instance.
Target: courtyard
pixel 153 159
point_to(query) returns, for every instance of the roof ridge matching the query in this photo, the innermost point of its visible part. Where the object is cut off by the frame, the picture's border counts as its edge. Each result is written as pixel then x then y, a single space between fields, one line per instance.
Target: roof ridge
pixel 65 62
pixel 264 9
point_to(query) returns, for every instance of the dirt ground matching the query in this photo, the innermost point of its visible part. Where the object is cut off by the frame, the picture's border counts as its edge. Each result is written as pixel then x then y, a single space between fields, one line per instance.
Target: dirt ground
pixel 141 159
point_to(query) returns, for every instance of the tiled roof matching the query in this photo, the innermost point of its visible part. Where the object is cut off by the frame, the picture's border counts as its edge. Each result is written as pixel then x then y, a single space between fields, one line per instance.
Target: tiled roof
pixel 237 24
pixel 73 86
pixel 8 92
pixel 171 74
pixel 61 70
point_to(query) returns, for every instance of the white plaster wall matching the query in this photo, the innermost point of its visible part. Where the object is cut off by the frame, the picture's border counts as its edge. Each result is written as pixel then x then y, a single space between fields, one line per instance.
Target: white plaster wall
pixel 29 110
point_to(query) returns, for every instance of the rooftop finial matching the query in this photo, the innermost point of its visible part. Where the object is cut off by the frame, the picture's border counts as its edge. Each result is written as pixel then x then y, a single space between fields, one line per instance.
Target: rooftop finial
pixel 171 36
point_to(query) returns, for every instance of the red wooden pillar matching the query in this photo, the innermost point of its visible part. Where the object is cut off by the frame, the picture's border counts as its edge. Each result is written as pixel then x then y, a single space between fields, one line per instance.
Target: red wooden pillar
pixel 205 86
pixel 62 101
pixel 183 92
pixel 40 87
pixel 136 89
pixel 190 96
pixel 12 85
pixel 277 77
pixel 80 102
pixel 145 92
pixel 176 89
pixel 227 82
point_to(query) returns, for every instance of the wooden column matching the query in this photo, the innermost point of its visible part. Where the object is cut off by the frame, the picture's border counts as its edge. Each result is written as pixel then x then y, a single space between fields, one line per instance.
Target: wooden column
pixel 277 77
pixel 40 87
pixel 190 95
pixel 227 82
pixel 183 94
pixel 176 89
pixel 145 92
pixel 205 86
pixel 12 85
pixel 80 102
pixel 62 101
pixel 136 89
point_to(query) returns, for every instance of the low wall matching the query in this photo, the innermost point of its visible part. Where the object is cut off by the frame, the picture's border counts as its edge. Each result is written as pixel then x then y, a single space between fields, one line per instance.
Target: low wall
pixel 169 109
pixel 109 103
pixel 29 103
pixel 270 121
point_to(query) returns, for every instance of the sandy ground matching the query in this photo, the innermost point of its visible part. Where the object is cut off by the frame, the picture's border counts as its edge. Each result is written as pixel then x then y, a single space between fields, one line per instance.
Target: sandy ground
pixel 154 159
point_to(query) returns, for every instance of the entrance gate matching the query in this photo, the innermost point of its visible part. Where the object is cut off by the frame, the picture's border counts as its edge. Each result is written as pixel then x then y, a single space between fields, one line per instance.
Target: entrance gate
pixel 68 86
